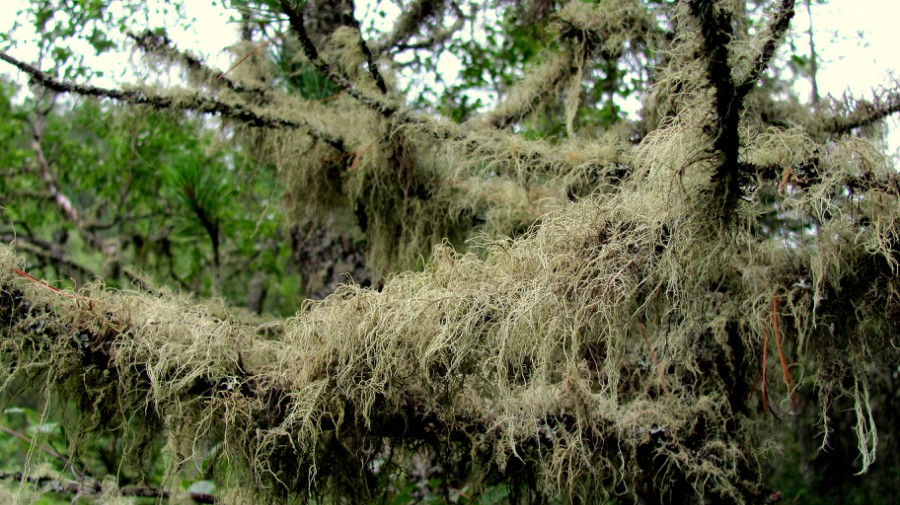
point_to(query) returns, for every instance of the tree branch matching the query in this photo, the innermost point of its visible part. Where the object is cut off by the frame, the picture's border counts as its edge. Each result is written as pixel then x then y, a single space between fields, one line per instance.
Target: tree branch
pixel 864 114
pixel 717 30
pixel 435 40
pixel 351 21
pixel 534 90
pixel 196 102
pixel 805 175
pixel 162 46
pixel 779 24
pixel 233 367
pixel 46 251
pixel 44 448
pixel 295 17
pixel 410 22
pixel 63 202
pixel 95 488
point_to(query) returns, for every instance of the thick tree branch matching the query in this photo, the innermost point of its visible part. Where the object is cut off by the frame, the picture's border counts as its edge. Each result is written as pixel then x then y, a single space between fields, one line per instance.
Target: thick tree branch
pixel 235 368
pixel 717 29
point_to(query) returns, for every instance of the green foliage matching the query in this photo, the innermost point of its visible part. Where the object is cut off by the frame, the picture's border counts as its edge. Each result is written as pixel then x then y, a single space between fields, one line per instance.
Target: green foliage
pixel 162 192
pixel 55 27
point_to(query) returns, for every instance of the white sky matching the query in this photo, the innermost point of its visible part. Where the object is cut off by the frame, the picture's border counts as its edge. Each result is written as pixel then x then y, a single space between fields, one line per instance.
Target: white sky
pixel 857 42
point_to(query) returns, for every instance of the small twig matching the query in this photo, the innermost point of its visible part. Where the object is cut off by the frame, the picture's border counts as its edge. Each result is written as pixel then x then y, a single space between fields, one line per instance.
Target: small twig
pixel 662 377
pixel 765 393
pixel 357 156
pixel 47 252
pixel 788 380
pixel 813 59
pixel 123 197
pixel 139 281
pixel 436 39
pixel 29 277
pixel 30 441
pixel 54 484
pixel 244 58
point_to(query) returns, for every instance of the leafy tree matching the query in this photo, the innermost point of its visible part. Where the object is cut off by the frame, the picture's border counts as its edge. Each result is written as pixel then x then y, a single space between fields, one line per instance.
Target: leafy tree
pixel 569 305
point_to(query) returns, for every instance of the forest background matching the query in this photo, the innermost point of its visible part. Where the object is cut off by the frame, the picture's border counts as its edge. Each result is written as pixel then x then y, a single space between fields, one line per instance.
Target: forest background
pixel 184 199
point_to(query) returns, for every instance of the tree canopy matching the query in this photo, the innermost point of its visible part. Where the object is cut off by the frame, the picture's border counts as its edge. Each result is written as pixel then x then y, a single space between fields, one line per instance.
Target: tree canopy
pixel 543 299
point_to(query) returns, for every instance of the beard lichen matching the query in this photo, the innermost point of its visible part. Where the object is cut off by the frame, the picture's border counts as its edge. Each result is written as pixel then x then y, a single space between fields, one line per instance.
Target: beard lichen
pixel 603 335
pixel 611 349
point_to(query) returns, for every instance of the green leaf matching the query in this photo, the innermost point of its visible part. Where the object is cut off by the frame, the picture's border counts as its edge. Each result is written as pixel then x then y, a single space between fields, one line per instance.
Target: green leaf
pixel 100 42
pixel 799 61
pixel 61 55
